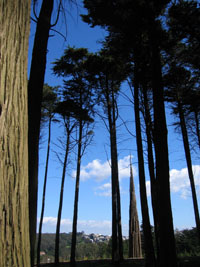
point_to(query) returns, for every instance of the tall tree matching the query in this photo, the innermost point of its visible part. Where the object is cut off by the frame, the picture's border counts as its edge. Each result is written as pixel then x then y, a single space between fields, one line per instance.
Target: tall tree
pixel 35 88
pixel 78 89
pixel 14 219
pixel 48 112
pixel 64 109
pixel 135 249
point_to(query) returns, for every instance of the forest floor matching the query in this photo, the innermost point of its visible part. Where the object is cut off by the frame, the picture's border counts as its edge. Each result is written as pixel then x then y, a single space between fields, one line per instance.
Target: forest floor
pixel 184 262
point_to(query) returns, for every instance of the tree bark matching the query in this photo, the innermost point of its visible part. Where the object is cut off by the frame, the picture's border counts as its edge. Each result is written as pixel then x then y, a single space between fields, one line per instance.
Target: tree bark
pixel 14 219
pixel 165 220
pixel 35 88
pixel 189 166
pixel 44 194
pixel 148 241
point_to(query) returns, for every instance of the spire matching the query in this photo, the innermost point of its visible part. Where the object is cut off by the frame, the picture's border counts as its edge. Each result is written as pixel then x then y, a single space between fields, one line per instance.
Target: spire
pixel 135 250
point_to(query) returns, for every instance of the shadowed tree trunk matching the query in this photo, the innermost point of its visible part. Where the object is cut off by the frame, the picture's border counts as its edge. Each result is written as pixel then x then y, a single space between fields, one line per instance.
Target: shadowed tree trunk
pixel 148 241
pixel 44 193
pixel 78 169
pixel 14 217
pixel 189 165
pixel 117 244
pixel 167 250
pixel 135 249
pixel 35 88
pixel 61 197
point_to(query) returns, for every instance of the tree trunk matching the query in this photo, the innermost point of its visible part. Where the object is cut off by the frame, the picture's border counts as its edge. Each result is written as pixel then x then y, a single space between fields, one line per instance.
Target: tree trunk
pixel 35 88
pixel 44 194
pixel 151 166
pixel 148 242
pixel 61 202
pixel 117 246
pixel 14 219
pixel 197 126
pixel 75 218
pixel 165 221
pixel 189 165
pixel 135 249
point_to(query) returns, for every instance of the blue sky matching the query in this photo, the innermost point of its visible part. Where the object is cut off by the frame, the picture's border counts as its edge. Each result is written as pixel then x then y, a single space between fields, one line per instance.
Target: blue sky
pixel 95 190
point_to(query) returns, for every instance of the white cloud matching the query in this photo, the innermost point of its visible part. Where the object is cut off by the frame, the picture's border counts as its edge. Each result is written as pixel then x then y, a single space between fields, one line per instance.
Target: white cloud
pixel 180 183
pixel 104 190
pixel 101 170
pixel 88 226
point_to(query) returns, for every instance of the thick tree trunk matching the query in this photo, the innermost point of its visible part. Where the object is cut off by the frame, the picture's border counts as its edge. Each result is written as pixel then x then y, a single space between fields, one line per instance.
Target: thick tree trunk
pixel 165 220
pixel 14 219
pixel 61 202
pixel 189 165
pixel 35 88
pixel 75 217
pixel 148 241
pixel 135 249
pixel 44 194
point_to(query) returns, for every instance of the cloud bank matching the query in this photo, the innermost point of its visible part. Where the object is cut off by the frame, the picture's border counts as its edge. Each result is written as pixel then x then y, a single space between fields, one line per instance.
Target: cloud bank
pixel 180 183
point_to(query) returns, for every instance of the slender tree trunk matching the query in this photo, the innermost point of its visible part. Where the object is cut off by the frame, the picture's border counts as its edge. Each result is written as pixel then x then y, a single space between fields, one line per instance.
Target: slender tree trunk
pixel 75 218
pixel 14 219
pixel 135 249
pixel 61 202
pixel 115 158
pixel 35 88
pixel 44 194
pixel 165 220
pixel 117 249
pixel 151 166
pixel 189 165
pixel 148 242
pixel 197 126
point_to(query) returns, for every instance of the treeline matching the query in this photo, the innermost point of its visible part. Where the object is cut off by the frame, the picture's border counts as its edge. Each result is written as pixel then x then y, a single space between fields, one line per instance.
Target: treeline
pixel 186 246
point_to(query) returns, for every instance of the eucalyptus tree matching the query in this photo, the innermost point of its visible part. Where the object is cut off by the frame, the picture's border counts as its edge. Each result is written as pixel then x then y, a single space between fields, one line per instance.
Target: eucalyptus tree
pixel 49 102
pixel 72 66
pixel 14 219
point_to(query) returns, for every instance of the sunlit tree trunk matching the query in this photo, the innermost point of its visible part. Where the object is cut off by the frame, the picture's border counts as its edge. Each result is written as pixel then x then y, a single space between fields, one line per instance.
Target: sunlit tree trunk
pixel 14 217
pixel 35 88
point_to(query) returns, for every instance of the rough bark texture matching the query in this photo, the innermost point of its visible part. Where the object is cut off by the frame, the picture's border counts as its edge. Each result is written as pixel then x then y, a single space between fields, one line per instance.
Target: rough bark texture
pixel 135 249
pixel 14 221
